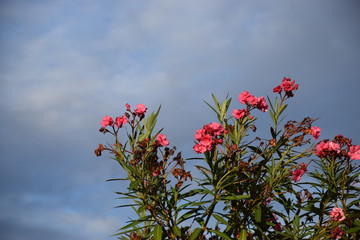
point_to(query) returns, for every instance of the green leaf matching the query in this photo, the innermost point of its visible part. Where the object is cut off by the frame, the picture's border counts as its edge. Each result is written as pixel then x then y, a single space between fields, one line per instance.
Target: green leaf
pixel 281 109
pixel 296 223
pixel 195 233
pixel 351 230
pixel 258 214
pixel 221 234
pixel 220 219
pixel 234 197
pixel 157 232
pixel 242 234
pixel 177 231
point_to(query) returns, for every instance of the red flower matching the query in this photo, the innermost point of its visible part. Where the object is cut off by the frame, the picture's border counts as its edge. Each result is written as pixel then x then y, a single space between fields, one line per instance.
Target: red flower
pixel 277 89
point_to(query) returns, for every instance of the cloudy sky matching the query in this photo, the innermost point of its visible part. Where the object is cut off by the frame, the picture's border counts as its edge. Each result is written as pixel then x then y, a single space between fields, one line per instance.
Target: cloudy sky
pixel 65 64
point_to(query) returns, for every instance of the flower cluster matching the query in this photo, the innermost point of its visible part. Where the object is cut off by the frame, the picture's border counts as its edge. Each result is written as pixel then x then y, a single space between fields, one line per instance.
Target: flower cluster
pixel 120 121
pixel 354 152
pixel 208 136
pixel 333 148
pixel 287 86
pixel 327 148
pixel 298 173
pixel 337 214
pixel 337 233
pixel 252 101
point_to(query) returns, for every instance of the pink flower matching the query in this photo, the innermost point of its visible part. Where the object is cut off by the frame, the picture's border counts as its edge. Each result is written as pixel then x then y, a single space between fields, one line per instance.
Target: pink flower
pixel 156 173
pixel 289 85
pixel 210 135
pixel 246 98
pixel 199 134
pixel 161 139
pixel 140 109
pixel 261 104
pixel 240 113
pixel 297 174
pixel 127 107
pixel 199 148
pixel 214 129
pixel 120 121
pixel 337 232
pixel 354 152
pixel 324 148
pixel 303 166
pixel 107 120
pixel 250 100
pixel 206 141
pixel 320 149
pixel 337 214
pixel 315 131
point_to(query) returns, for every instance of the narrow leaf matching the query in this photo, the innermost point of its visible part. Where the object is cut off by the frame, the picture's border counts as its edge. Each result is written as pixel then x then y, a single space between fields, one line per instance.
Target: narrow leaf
pixel 157 232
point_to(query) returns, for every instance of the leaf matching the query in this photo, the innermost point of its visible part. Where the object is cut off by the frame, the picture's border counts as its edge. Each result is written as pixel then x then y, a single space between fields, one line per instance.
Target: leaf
pixel 255 149
pixel 281 109
pixel 221 234
pixel 273 134
pixel 127 231
pixel 351 230
pixel 242 234
pixel 195 233
pixel 117 179
pixel 157 232
pixel 200 203
pixel 177 231
pixel 258 214
pixel 220 219
pixel 234 197
pixel 211 107
pixel 296 223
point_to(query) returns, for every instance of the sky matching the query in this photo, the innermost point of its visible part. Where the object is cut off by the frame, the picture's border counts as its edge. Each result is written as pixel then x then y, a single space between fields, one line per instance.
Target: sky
pixel 66 64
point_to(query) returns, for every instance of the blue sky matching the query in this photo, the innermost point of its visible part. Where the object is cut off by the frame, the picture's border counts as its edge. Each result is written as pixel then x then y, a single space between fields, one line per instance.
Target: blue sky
pixel 66 64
